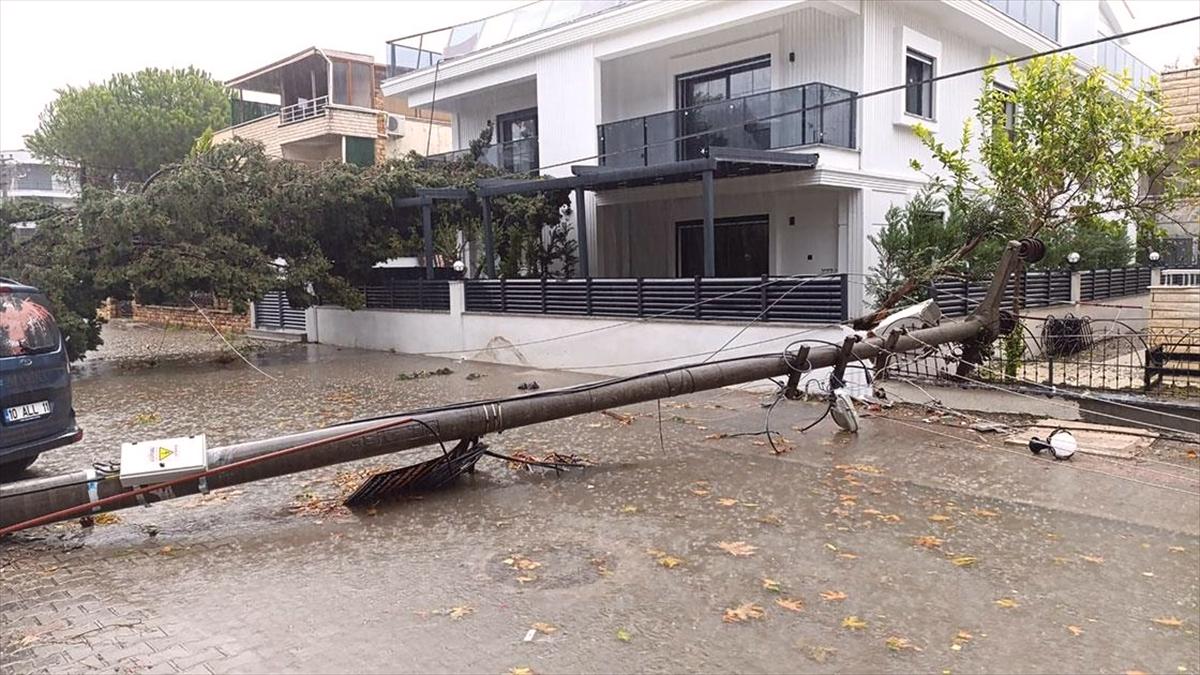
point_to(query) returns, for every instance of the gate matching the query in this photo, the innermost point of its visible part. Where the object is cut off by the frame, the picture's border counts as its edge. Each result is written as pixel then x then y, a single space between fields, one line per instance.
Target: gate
pixel 274 312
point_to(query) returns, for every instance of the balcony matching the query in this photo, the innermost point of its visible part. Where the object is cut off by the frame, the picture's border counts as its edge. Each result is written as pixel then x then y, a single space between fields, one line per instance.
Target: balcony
pixel 809 114
pixel 1040 15
pixel 519 156
pixel 1116 59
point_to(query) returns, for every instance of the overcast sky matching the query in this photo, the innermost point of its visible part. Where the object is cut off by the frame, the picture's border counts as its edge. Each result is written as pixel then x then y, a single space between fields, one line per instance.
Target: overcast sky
pixel 49 44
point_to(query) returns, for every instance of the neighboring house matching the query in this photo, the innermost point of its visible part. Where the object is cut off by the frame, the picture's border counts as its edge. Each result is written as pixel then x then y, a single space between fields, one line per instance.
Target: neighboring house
pixel 802 170
pixel 1181 98
pixel 320 104
pixel 24 177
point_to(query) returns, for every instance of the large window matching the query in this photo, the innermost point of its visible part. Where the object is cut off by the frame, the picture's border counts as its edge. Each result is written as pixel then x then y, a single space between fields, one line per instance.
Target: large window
pixel 742 247
pixel 353 83
pixel 517 138
pixel 918 96
pixel 698 93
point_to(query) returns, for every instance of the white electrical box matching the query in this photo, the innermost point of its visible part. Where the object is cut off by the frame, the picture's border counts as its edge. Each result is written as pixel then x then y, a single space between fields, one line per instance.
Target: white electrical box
pixel 149 462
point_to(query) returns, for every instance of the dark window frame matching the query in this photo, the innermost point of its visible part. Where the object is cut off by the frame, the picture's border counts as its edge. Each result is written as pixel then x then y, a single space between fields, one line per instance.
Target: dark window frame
pixel 1010 110
pixel 507 160
pixel 926 92
pixel 725 69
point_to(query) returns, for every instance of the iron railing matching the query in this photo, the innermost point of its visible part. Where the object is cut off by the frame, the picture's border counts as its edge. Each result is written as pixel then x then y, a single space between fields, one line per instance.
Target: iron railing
pixel 519 156
pixel 957 297
pixel 795 299
pixel 303 110
pixel 1114 283
pixel 808 114
pixel 426 294
pixel 1040 15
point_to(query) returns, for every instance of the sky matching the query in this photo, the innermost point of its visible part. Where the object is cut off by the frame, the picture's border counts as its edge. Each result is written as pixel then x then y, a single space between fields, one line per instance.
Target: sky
pixel 49 44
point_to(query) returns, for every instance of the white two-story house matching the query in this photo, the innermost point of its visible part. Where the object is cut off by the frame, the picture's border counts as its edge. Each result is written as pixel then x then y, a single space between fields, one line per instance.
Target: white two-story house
pixel 750 106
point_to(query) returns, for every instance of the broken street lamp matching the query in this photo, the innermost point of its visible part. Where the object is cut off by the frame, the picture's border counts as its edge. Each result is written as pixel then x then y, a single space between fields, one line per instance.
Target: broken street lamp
pixel 1060 443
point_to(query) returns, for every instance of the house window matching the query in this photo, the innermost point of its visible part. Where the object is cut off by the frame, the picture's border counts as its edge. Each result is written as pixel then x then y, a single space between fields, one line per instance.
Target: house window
pixel 918 96
pixel 742 247
pixel 517 140
pixel 695 95
pixel 1010 109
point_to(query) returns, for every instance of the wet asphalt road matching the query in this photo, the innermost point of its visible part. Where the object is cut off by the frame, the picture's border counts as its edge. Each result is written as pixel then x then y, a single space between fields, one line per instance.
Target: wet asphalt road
pixel 910 546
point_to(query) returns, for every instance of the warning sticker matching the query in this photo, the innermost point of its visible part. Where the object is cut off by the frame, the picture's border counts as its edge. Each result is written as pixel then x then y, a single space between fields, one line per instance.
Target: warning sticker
pixel 164 453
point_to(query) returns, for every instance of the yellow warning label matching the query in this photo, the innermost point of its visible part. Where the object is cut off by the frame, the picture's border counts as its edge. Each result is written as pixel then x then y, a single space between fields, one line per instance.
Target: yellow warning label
pixel 164 453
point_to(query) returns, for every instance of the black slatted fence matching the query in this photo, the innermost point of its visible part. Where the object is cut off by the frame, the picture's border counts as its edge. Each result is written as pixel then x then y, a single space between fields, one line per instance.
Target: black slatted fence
pixel 1114 283
pixel 428 294
pixel 956 297
pixel 797 299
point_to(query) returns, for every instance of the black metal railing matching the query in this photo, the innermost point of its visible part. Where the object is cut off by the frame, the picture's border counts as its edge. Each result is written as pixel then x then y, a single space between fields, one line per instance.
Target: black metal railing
pixel 795 299
pixel 957 297
pixel 1040 15
pixel 427 294
pixel 808 114
pixel 1114 283
pixel 519 156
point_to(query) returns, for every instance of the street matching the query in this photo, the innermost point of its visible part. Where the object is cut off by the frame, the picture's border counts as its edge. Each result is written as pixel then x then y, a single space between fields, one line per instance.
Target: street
pixel 910 546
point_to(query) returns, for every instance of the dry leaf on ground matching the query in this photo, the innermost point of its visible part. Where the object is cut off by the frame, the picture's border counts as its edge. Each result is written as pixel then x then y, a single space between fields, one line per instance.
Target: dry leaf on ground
pixel 727 501
pixel 793 604
pixel 1075 630
pixel 899 644
pixel 1169 621
pixel 1099 560
pixel 833 596
pixel 460 611
pixel 738 549
pixel 984 513
pixel 939 518
pixel 744 612
pixel 1007 603
pixel 771 585
pixel 928 541
pixel 964 560
pixel 624 635
pixel 520 670
pixel 544 628
pixel 853 623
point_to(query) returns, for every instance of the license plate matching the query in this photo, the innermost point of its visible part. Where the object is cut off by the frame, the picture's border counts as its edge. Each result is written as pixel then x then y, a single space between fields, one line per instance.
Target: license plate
pixel 28 411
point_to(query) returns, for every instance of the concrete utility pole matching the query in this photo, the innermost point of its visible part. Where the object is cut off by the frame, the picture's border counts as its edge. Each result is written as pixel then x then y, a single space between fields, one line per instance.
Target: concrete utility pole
pixel 24 501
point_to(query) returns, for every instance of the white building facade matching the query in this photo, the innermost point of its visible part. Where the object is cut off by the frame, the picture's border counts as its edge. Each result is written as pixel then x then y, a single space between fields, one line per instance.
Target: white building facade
pixel 635 84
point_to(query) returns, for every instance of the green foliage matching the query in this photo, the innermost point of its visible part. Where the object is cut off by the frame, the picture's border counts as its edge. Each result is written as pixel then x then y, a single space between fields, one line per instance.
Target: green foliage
pixel 1063 155
pixel 121 131
pixel 1014 351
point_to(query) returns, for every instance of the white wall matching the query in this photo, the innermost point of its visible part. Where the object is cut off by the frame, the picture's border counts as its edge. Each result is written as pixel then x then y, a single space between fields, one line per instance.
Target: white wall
pixel 471 113
pixel 487 337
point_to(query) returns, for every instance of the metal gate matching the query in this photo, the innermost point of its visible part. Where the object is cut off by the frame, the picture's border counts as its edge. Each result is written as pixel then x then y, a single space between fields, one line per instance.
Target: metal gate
pixel 274 312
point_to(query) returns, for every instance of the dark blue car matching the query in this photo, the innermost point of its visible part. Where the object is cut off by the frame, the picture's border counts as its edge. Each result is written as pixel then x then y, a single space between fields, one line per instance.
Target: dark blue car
pixel 35 380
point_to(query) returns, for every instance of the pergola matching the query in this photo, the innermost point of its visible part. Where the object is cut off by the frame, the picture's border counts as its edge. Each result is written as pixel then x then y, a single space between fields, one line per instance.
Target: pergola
pixel 721 162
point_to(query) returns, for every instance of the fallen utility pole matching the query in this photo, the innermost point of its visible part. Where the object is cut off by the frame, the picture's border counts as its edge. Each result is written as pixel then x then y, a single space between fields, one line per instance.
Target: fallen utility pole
pixel 42 500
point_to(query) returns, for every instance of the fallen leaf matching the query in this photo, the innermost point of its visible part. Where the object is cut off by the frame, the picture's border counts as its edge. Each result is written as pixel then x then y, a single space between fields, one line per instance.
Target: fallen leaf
pixel 833 596
pixel 984 513
pixel 963 636
pixel 889 518
pixel 106 519
pixel 727 501
pixel 544 628
pixel 1075 630
pixel 847 555
pixel 460 611
pixel 166 550
pixel 1099 560
pixel 818 653
pixel 1135 672
pixel 771 585
pixel 853 623
pixel 1007 603
pixel 1176 549
pixel 770 519
pixel 714 437
pixel 1169 621
pixel 624 635
pixel 860 468
pixel 518 562
pixel 629 508
pixel 939 518
pixel 928 541
pixel 743 612
pixel 793 604
pixel 899 644
pixel 520 670
pixel 738 549
pixel 526 578
pixel 964 560
pixel 669 561
pixel 699 492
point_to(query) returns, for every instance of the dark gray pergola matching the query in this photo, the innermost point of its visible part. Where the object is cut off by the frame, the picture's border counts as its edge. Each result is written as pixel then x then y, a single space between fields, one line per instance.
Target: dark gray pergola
pixel 721 162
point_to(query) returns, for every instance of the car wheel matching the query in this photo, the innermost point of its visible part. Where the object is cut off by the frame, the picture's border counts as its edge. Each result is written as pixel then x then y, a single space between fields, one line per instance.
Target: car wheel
pixel 10 470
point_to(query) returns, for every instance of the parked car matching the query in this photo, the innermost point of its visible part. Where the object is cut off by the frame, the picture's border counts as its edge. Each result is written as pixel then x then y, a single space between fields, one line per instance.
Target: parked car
pixel 35 380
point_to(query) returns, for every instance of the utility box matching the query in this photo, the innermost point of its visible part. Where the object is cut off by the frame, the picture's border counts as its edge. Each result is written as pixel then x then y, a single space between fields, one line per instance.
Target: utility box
pixel 149 462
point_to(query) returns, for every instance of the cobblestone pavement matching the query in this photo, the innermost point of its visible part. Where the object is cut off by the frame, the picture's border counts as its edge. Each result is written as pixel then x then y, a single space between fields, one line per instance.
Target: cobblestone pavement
pixel 909 547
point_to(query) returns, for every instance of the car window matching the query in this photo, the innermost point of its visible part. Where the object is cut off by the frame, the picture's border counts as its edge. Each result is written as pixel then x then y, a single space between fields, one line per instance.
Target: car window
pixel 26 325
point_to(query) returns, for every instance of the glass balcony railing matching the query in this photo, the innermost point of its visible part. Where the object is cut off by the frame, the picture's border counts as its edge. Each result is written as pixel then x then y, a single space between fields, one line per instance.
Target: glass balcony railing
pixel 519 156
pixel 809 114
pixel 1116 59
pixel 1040 15
pixel 246 111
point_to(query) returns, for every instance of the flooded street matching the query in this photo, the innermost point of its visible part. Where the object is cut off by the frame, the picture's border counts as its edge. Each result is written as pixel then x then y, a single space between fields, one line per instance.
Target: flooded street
pixel 908 547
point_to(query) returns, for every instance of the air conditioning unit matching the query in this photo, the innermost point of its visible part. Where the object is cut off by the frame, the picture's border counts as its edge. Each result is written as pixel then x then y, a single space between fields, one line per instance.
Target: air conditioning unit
pixel 395 125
